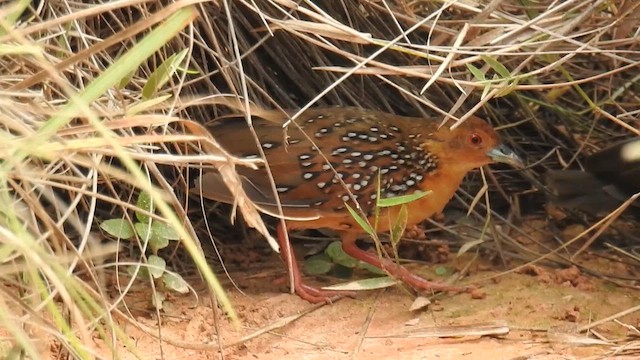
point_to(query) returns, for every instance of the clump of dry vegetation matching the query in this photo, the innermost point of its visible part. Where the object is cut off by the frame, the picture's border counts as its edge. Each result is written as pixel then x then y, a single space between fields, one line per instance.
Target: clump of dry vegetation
pixel 102 102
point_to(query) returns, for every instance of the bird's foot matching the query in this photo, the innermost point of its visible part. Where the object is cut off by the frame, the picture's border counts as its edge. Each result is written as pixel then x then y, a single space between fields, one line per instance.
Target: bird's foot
pixel 306 292
pixel 420 283
pixel 316 296
pixel 398 271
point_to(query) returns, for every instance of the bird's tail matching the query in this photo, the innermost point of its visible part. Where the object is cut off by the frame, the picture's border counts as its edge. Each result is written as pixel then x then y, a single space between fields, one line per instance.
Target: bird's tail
pixel 575 189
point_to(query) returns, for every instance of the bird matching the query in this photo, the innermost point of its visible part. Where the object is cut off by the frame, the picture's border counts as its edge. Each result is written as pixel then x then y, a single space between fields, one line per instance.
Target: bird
pixel 337 156
pixel 610 177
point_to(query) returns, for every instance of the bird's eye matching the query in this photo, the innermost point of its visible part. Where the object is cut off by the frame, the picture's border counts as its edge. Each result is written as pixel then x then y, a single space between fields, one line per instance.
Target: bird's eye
pixel 475 139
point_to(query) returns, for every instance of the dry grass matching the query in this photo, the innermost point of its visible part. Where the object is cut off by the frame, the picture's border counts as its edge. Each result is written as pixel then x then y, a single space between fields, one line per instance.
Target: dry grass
pixel 558 78
pixel 81 138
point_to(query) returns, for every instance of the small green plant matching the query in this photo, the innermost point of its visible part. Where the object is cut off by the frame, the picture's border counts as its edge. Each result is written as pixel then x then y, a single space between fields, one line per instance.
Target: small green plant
pixel 400 221
pixel 501 77
pixel 336 262
pixel 154 235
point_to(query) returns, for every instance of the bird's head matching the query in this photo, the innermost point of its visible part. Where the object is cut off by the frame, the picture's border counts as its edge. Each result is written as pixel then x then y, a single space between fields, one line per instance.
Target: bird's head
pixel 471 145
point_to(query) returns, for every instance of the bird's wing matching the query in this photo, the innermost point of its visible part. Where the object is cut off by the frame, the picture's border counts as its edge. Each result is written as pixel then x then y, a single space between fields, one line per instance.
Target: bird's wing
pixel 211 186
pixel 295 159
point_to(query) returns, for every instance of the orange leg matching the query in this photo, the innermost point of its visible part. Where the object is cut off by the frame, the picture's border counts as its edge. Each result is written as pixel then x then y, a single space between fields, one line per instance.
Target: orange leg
pixel 306 292
pixel 397 271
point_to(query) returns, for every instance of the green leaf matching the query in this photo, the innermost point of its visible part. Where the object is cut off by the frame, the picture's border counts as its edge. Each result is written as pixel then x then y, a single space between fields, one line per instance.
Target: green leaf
pixel 164 231
pixel 145 203
pixel 399 225
pixel 163 73
pixel 508 89
pixel 362 222
pixel 317 265
pixel 12 12
pixel 143 231
pixel 366 284
pixel 156 243
pixel 144 105
pixel 530 9
pixel 341 272
pixel 175 282
pixel 485 90
pixel 477 73
pixel 372 269
pixel 119 228
pixel 147 234
pixel 335 252
pixel 125 80
pixel 143 272
pixel 497 66
pixel 403 199
pixel 157 266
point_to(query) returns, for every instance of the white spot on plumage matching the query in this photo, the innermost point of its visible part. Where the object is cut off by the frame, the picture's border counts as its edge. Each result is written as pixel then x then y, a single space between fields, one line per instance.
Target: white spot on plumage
pixel 630 152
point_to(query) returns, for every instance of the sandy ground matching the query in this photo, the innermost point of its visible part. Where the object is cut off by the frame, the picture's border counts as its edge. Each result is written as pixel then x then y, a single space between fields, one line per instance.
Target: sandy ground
pixel 532 314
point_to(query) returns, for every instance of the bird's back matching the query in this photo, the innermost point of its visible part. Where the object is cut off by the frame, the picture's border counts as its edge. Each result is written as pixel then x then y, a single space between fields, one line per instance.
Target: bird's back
pixel 334 156
pixel 331 145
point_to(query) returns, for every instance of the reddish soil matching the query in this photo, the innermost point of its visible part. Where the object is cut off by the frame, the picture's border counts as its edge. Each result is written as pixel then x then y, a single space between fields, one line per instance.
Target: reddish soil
pixel 532 314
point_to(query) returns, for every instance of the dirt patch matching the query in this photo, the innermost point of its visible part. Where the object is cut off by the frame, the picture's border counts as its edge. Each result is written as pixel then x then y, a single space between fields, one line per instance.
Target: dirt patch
pixel 541 308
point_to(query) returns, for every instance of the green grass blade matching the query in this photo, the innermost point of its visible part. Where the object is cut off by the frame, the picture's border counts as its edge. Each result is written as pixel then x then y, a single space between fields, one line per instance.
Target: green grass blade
pixel 403 199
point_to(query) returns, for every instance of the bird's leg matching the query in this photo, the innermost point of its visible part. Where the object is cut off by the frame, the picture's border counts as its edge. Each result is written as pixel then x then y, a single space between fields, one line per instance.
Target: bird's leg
pixel 397 271
pixel 306 292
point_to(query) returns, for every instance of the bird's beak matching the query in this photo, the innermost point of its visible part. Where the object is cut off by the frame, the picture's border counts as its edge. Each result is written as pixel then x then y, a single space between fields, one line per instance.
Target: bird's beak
pixel 503 154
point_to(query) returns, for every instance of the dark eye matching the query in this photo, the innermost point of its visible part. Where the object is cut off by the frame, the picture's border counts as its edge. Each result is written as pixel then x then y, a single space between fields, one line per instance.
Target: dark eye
pixel 475 139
